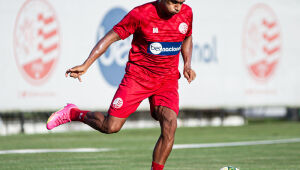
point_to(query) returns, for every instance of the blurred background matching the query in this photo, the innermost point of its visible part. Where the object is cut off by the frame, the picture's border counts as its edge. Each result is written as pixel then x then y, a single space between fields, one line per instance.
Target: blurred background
pixel 245 53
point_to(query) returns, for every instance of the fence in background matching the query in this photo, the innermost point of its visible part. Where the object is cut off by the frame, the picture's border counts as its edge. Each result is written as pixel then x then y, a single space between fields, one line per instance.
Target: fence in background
pixel 35 122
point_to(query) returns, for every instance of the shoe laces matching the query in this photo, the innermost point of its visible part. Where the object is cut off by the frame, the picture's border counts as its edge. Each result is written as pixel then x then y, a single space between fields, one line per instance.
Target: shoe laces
pixel 62 119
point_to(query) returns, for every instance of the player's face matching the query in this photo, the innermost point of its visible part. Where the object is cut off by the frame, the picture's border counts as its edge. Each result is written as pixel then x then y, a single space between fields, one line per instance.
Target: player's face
pixel 173 6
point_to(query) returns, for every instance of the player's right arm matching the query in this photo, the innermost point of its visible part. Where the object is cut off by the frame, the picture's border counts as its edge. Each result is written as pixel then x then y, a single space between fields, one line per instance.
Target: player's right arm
pixel 97 51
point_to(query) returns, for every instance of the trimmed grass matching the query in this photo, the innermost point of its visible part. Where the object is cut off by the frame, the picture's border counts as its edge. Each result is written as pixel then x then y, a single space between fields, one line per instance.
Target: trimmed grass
pixel 134 149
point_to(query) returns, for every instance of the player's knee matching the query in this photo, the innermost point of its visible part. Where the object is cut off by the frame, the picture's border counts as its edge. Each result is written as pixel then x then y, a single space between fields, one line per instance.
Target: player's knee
pixel 170 125
pixel 113 129
pixel 167 116
pixel 168 119
pixel 112 124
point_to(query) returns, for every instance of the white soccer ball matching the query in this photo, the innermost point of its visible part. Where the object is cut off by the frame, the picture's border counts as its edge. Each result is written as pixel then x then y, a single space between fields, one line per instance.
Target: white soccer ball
pixel 229 168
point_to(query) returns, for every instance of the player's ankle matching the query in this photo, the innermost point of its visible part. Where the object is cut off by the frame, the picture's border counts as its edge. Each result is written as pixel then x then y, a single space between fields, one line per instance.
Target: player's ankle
pixel 156 166
pixel 77 114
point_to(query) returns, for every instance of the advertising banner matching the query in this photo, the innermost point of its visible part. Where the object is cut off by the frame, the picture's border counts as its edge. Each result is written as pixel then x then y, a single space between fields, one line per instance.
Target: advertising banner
pixel 245 53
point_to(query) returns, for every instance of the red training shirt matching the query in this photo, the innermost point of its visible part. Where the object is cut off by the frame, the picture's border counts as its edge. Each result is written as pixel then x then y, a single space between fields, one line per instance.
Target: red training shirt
pixel 156 41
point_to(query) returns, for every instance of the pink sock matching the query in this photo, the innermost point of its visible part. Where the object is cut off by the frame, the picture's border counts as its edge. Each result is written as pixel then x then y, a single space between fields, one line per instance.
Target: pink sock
pixel 156 166
pixel 77 115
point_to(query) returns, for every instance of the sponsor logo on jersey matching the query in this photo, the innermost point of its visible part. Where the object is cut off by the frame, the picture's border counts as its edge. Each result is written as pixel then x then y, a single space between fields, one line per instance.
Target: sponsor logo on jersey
pixel 183 28
pixel 164 48
pixel 262 42
pixel 118 103
pixel 113 62
pixel 36 41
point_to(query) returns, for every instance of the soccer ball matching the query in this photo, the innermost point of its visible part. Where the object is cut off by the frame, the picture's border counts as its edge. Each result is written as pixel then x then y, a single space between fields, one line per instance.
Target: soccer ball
pixel 229 168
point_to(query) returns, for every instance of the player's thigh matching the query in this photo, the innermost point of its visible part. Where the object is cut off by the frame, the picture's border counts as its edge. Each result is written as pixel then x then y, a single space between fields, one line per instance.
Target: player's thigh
pixel 128 97
pixel 166 96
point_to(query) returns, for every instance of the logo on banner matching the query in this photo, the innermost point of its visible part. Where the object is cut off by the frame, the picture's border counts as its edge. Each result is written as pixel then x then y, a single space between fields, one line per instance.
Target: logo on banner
pixel 36 40
pixel 262 46
pixel 112 63
pixel 206 52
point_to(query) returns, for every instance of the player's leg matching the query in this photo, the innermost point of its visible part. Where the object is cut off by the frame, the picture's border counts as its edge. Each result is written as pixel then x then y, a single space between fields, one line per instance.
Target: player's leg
pixel 105 124
pixel 125 102
pixel 97 120
pixel 164 106
pixel 168 123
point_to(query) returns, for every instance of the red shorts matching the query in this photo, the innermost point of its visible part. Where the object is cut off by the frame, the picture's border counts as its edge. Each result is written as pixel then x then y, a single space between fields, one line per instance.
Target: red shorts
pixel 133 90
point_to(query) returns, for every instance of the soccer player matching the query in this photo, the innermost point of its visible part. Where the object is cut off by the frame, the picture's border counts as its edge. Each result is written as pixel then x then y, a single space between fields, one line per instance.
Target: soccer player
pixel 161 30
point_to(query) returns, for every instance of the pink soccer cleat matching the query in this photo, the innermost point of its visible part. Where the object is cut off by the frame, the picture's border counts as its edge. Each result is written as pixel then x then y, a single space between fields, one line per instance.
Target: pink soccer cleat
pixel 60 117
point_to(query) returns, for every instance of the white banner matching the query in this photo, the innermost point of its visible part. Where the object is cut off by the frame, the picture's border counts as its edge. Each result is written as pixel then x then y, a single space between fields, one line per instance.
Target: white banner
pixel 245 53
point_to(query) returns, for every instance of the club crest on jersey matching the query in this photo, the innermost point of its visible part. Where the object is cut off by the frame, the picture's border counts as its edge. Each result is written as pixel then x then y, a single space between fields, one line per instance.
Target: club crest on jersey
pixel 155 30
pixel 164 48
pixel 118 103
pixel 183 28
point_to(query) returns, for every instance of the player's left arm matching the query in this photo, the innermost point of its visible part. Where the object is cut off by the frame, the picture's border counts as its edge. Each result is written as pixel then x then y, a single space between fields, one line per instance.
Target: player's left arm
pixel 186 51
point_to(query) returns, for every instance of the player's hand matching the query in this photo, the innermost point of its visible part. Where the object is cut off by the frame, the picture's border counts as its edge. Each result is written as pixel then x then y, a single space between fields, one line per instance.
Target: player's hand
pixel 76 72
pixel 189 74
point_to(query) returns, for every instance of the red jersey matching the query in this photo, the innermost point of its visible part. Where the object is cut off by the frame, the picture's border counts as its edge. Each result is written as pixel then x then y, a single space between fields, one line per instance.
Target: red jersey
pixel 156 41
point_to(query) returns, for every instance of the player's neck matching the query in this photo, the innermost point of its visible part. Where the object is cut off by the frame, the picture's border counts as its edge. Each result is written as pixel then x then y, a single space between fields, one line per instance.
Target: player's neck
pixel 162 12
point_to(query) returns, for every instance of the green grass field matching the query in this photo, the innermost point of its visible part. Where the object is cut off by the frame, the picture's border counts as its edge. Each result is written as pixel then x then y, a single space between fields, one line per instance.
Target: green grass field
pixel 133 149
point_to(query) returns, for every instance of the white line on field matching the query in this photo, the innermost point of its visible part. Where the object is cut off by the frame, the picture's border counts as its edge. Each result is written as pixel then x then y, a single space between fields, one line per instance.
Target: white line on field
pixel 246 143
pixel 179 146
pixel 23 151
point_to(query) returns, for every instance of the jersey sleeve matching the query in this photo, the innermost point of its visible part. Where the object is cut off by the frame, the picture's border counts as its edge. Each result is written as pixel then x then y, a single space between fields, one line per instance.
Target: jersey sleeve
pixel 128 24
pixel 190 20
